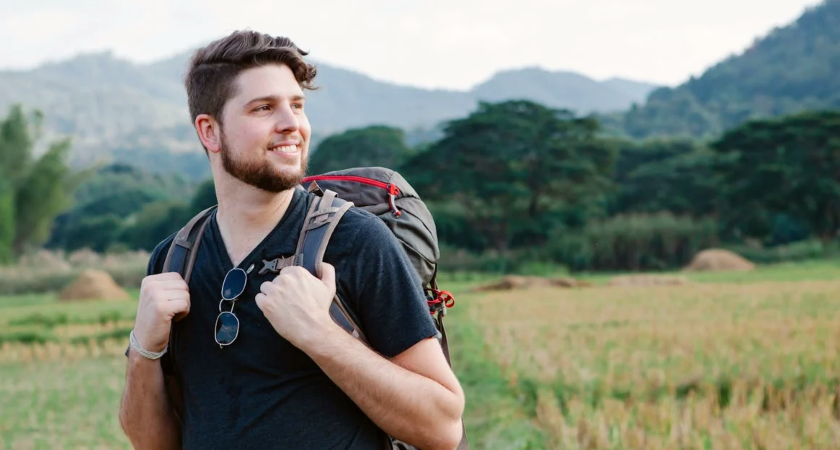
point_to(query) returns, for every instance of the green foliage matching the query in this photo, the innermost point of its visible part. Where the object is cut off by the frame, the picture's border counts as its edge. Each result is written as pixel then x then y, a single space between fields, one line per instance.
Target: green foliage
pixel 154 223
pixel 109 201
pixel 510 167
pixel 635 242
pixel 43 194
pixel 205 196
pixel 673 175
pixel 375 145
pixel 793 68
pixel 804 250
pixel 7 221
pixel 783 166
pixel 32 191
pixel 16 141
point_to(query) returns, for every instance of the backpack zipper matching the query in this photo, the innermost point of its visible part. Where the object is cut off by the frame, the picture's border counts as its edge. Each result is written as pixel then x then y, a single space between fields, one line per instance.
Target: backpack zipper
pixel 392 189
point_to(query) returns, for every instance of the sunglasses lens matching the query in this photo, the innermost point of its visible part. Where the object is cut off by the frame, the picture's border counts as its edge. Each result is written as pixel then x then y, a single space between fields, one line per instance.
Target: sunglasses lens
pixel 234 284
pixel 227 328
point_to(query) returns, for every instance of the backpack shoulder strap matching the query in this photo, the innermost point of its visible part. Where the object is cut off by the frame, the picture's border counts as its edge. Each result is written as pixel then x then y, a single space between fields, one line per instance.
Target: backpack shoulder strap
pixel 318 225
pixel 181 255
pixel 321 219
pixel 180 258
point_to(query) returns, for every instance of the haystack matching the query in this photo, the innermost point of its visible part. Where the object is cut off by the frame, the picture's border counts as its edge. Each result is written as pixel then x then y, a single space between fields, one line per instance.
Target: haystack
pixel 648 280
pixel 719 260
pixel 93 285
pixel 516 282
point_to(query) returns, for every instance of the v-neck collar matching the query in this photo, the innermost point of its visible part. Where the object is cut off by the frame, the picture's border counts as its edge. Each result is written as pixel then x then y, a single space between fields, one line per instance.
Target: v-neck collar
pixel 221 248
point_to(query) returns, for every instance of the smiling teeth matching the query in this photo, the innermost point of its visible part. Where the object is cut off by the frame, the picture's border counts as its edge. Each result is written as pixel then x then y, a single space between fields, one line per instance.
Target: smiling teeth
pixel 286 149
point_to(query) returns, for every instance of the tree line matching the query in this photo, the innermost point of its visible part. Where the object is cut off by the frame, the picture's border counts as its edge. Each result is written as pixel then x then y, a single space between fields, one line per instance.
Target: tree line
pixel 512 184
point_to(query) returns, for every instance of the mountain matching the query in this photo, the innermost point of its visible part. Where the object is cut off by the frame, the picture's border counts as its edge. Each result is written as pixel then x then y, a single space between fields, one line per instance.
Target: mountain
pixel 793 68
pixel 567 89
pixel 117 109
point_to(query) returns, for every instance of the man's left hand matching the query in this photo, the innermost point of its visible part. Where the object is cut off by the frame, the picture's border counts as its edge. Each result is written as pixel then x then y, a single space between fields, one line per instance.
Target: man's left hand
pixel 297 303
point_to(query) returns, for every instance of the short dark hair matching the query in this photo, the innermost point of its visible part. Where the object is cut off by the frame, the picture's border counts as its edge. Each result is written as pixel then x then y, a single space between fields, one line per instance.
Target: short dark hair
pixel 212 71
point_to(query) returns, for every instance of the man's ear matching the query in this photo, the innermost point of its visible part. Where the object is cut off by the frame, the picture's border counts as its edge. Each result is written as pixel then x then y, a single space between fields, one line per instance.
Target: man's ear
pixel 209 132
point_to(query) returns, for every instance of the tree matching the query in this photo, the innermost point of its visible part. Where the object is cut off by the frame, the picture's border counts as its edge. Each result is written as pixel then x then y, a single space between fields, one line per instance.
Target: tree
pixel 42 195
pixel 673 175
pixel 512 166
pixel 7 220
pixel 375 145
pixel 789 165
pixel 32 191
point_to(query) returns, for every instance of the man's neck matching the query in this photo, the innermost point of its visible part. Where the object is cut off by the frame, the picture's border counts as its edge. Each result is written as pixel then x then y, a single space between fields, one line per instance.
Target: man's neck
pixel 247 215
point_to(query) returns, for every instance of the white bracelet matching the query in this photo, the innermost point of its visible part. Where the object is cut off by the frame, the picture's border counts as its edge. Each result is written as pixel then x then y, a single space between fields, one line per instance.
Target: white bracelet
pixel 142 351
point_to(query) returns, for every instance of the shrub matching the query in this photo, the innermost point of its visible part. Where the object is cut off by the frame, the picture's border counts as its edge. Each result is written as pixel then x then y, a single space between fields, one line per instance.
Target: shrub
pixel 634 242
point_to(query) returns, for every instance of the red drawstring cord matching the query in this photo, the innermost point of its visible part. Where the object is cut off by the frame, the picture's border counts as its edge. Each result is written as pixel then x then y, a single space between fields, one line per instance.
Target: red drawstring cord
pixel 444 297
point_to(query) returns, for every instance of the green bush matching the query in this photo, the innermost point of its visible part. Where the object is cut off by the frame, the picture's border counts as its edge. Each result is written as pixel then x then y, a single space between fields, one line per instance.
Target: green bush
pixel 636 242
pixel 27 337
pixel 797 251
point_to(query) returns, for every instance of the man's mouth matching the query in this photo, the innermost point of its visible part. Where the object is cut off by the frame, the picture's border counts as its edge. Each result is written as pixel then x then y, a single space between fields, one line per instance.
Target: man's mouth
pixel 291 148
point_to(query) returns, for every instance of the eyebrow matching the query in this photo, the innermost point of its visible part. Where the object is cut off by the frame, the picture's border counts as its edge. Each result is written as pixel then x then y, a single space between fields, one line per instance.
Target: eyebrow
pixel 276 98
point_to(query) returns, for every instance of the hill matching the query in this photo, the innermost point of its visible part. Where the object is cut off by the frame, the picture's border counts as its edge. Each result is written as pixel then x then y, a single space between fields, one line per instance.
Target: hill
pixel 793 68
pixel 117 109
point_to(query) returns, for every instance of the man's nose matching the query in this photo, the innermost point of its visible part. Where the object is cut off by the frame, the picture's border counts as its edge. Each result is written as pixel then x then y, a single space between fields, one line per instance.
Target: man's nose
pixel 287 121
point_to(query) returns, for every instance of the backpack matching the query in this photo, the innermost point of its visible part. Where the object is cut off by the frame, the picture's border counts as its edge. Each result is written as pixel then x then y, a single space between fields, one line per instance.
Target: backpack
pixel 380 191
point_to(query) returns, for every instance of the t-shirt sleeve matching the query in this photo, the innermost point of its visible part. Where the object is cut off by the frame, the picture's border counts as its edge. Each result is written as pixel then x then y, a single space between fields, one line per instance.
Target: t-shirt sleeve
pixel 392 304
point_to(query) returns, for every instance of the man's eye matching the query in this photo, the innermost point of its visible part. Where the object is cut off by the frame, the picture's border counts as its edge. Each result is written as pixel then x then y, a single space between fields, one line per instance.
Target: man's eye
pixel 297 105
pixel 263 108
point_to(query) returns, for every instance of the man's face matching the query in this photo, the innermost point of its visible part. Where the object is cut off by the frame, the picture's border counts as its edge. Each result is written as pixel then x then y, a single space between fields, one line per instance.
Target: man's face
pixel 265 136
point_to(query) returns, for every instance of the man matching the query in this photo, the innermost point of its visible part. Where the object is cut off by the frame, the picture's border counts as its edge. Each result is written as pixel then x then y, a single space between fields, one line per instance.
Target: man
pixel 291 378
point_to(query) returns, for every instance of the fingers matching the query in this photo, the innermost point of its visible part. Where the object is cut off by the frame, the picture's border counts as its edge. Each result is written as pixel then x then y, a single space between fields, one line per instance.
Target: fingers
pixel 164 281
pixel 172 285
pixel 260 300
pixel 269 287
pixel 166 276
pixel 177 306
pixel 328 275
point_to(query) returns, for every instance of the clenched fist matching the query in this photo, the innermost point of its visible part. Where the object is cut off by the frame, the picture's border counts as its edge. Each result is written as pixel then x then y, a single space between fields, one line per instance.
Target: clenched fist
pixel 297 303
pixel 162 297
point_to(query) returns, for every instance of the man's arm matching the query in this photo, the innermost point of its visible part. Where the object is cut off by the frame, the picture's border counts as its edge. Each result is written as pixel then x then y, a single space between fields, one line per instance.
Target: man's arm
pixel 146 416
pixel 414 397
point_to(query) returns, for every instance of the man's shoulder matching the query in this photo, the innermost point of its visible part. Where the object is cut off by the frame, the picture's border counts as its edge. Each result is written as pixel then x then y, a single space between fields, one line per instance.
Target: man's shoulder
pixel 362 228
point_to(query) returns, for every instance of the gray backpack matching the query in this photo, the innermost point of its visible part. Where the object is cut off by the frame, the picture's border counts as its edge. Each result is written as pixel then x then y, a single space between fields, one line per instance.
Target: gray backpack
pixel 378 190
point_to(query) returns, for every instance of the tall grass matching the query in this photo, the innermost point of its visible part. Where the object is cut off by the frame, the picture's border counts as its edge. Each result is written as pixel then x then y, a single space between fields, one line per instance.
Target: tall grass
pixel 735 361
pixel 51 272
pixel 635 242
pixel 744 366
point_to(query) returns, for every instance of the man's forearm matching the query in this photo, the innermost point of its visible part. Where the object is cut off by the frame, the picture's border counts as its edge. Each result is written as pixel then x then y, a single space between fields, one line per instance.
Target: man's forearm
pixel 406 405
pixel 146 415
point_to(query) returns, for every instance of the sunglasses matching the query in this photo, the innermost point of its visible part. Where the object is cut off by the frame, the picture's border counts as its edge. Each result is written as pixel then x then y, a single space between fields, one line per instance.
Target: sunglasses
pixel 227 324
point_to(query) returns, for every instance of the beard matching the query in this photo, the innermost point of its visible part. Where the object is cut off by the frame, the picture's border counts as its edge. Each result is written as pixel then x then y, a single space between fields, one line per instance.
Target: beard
pixel 260 174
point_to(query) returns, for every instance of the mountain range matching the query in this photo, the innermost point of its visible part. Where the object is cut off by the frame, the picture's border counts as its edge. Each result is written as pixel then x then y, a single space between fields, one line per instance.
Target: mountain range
pixel 120 110
pixel 114 107
pixel 791 69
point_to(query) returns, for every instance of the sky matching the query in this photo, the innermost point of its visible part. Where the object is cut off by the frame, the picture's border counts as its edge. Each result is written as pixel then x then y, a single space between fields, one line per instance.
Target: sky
pixel 447 44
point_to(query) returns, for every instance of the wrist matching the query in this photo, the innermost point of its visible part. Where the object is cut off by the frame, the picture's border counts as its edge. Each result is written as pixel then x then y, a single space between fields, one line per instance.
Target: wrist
pixel 137 347
pixel 320 338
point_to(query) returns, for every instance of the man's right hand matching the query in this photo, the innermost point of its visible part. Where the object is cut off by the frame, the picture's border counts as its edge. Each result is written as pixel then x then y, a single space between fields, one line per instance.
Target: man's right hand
pixel 162 297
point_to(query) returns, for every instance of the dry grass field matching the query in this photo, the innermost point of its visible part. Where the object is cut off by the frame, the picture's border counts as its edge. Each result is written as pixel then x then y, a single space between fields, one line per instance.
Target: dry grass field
pixel 729 361
pixel 706 366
